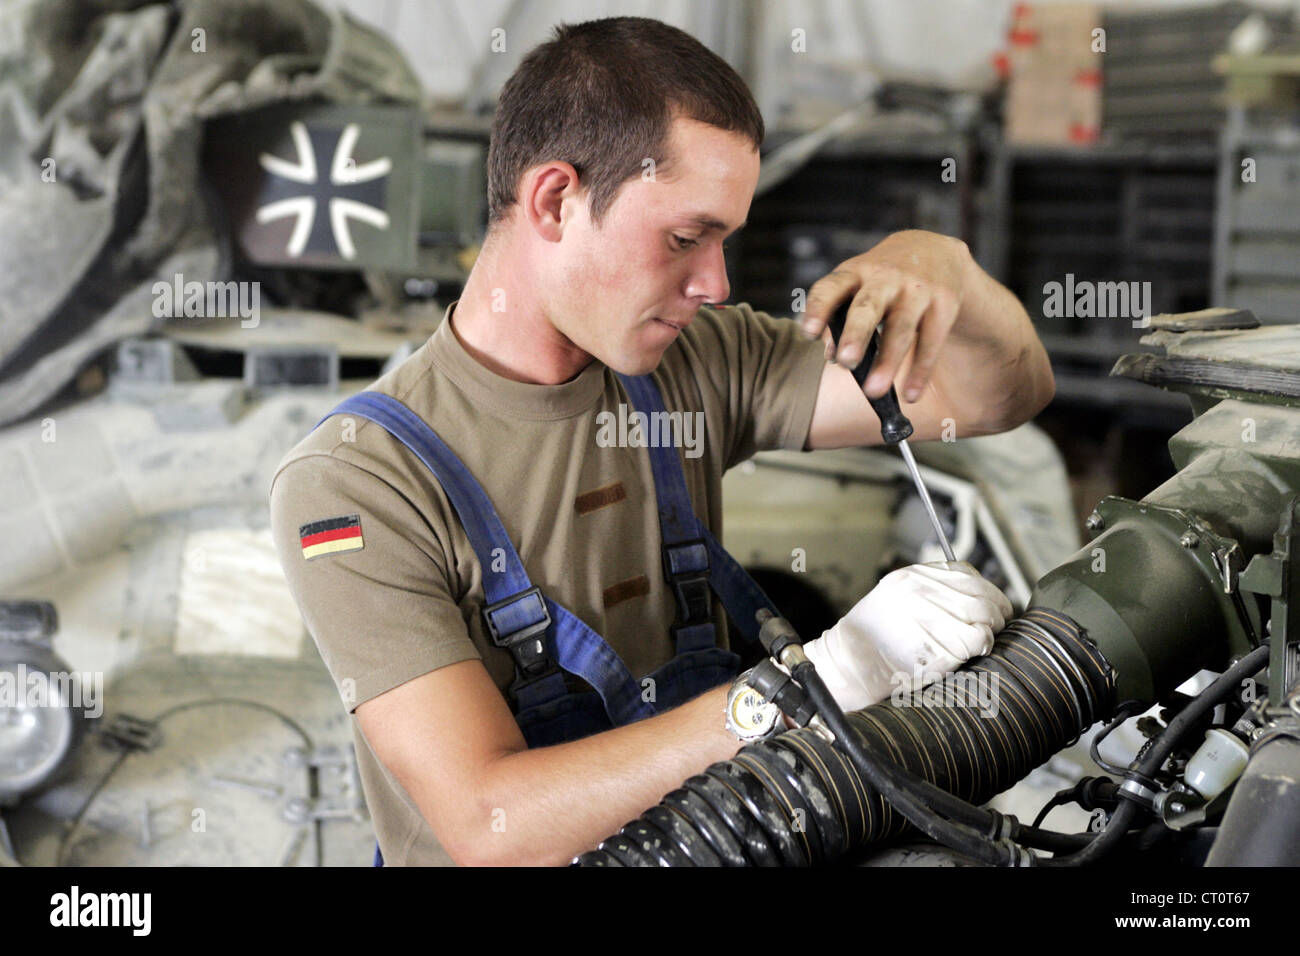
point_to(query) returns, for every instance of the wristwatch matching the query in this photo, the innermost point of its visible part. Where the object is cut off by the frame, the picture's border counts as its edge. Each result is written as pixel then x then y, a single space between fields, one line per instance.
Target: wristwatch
pixel 750 716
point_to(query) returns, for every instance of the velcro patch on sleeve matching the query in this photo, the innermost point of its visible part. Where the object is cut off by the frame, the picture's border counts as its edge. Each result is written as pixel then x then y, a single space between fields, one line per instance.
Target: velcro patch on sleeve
pixel 331 536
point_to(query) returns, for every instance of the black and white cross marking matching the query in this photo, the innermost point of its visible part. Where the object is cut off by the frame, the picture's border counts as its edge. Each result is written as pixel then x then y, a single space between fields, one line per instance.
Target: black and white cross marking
pixel 351 192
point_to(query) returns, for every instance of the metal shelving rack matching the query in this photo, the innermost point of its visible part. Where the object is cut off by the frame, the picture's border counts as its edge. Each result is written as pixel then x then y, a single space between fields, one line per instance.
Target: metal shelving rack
pixel 850 196
pixel 1109 213
pixel 1257 224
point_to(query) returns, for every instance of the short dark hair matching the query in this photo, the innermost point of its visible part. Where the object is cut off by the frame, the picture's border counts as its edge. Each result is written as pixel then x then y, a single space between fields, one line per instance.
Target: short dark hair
pixel 602 96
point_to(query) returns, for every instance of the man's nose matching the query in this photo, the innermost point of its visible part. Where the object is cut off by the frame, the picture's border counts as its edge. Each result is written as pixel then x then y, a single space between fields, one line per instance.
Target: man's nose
pixel 708 279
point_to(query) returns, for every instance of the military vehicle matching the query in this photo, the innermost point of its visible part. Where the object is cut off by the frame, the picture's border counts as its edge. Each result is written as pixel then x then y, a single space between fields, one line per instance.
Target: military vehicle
pixel 213 257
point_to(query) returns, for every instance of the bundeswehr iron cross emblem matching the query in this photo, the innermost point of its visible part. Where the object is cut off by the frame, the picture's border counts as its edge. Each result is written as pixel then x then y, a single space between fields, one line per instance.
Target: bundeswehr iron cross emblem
pixel 330 187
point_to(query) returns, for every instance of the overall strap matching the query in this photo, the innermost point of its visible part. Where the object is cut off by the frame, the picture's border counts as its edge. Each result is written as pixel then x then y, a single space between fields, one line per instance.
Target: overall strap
pixel 694 560
pixel 518 616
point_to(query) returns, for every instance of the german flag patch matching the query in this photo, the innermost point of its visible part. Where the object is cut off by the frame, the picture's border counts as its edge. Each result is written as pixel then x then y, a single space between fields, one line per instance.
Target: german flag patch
pixel 331 536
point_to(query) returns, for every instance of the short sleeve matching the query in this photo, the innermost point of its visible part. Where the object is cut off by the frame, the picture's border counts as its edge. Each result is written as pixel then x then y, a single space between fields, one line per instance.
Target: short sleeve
pixel 763 371
pixel 368 575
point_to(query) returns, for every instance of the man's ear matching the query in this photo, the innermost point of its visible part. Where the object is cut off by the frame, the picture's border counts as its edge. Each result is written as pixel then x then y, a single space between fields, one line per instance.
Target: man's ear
pixel 542 194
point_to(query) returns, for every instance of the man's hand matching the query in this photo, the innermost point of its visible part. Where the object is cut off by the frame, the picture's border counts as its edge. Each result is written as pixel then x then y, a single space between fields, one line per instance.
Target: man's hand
pixel 915 279
pixel 925 618
pixel 959 346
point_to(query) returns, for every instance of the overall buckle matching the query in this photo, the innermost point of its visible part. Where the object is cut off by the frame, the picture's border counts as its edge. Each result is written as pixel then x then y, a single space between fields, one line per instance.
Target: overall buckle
pixel 686 567
pixel 526 644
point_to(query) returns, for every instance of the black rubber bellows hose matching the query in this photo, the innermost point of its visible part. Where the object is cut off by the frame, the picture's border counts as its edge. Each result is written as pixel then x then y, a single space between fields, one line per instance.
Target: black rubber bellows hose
pixel 796 800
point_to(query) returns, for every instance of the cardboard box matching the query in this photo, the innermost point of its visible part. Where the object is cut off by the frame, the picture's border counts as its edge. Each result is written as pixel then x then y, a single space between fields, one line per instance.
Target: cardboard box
pixel 1053 93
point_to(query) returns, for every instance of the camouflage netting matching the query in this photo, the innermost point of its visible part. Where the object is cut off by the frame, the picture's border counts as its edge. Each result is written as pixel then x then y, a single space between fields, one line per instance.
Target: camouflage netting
pixel 101 113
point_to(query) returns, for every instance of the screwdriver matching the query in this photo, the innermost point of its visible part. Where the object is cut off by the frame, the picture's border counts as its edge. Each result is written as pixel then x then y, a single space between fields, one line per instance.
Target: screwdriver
pixel 894 426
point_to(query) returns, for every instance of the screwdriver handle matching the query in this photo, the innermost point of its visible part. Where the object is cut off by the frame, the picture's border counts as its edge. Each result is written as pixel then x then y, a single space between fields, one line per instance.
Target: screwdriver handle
pixel 894 426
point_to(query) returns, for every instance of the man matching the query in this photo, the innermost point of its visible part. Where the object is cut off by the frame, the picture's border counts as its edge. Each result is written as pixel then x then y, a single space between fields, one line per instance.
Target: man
pixel 623 153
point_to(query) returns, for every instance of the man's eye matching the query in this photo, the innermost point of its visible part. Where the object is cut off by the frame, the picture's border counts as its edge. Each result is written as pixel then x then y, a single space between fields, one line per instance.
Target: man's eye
pixel 684 243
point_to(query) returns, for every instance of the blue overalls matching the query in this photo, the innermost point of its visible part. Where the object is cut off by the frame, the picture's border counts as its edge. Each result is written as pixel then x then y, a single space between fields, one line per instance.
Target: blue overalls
pixel 544 638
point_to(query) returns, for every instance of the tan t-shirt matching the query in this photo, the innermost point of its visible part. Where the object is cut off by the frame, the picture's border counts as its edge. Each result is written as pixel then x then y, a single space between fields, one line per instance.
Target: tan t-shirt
pixel 385 577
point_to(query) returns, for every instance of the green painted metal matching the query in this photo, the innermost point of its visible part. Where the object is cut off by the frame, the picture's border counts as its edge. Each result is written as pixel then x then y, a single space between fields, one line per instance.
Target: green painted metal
pixel 1185 578
pixel 1155 606
pixel 1274 575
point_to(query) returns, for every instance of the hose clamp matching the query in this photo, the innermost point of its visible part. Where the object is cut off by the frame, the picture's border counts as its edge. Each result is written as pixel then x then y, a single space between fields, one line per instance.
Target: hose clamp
pixel 1138 792
pixel 1017 855
pixel 1002 826
pixel 1041 636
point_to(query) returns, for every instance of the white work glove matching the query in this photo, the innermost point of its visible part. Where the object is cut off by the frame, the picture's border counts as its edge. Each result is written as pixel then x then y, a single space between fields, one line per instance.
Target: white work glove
pixel 917 624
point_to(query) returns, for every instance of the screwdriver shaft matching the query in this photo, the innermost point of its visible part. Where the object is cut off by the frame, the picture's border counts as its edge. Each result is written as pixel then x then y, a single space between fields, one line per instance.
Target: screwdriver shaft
pixel 894 426
pixel 925 500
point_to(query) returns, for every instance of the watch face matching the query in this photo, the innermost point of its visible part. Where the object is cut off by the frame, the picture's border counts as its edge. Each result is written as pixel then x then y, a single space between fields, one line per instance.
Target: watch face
pixel 751 713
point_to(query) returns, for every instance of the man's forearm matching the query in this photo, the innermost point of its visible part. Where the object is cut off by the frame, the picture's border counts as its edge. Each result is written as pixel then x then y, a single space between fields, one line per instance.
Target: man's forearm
pixel 547 805
pixel 1007 373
